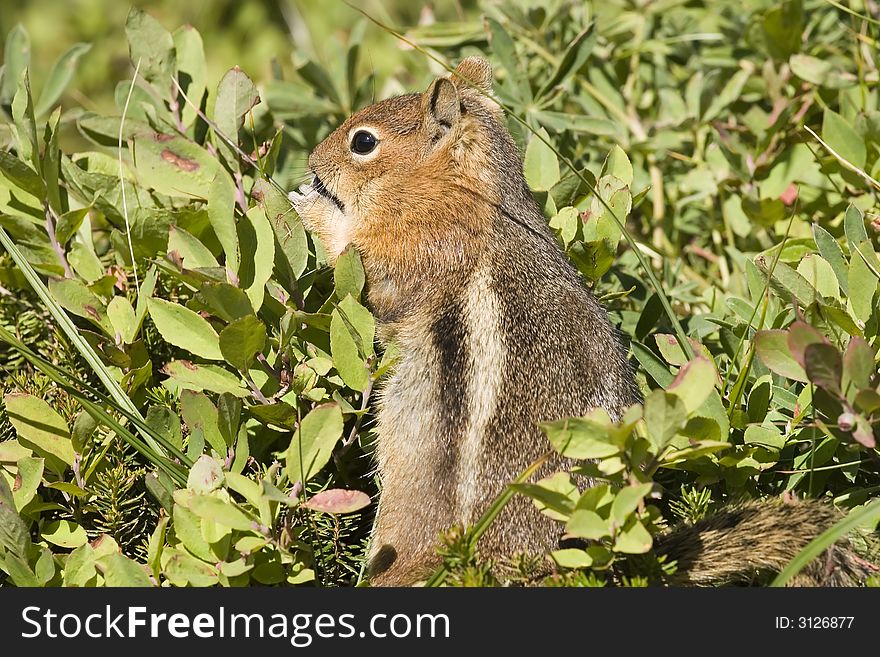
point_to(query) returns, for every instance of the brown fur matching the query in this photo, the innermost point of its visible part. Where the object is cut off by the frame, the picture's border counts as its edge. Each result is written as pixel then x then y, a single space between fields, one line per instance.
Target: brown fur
pixel 495 328
pixel 742 543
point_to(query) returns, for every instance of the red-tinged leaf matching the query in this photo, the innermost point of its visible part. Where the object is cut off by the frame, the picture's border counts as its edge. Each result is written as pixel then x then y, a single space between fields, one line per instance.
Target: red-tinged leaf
pixel 336 500
pixel 863 433
pixel 790 194
pixel 694 382
pixel 858 364
pixel 801 334
pixel 824 366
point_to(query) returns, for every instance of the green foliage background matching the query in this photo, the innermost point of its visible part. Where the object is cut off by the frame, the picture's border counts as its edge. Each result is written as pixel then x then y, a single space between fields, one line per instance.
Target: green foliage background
pixel 188 386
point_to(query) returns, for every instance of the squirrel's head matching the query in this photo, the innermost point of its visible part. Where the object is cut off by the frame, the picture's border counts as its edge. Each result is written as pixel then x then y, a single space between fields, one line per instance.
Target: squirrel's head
pixel 413 176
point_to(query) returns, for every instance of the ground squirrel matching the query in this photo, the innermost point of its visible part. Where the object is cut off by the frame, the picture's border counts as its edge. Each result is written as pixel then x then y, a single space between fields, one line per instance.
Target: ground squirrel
pixel 495 328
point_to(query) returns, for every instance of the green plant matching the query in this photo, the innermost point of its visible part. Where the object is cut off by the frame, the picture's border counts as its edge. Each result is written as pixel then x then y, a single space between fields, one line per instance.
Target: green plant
pixel 710 168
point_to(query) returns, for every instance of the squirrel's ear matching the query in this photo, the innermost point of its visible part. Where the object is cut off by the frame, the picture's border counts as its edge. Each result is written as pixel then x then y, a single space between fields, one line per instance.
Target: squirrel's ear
pixel 473 72
pixel 442 106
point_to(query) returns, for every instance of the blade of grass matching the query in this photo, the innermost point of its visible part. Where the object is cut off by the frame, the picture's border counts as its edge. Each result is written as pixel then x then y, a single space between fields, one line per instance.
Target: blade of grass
pixel 480 527
pixel 137 284
pixel 739 384
pixel 102 416
pixel 827 538
pixel 72 332
pixel 852 12
pixel 62 379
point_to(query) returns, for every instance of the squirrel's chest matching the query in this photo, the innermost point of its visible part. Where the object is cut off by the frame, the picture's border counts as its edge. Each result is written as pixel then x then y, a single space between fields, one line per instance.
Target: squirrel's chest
pixel 438 406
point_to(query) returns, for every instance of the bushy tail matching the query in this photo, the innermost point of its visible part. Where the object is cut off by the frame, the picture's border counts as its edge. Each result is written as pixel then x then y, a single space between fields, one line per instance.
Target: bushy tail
pixel 742 543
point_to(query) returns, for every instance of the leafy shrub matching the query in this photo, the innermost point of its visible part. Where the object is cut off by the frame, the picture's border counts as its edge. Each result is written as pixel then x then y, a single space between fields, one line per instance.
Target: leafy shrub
pixel 202 415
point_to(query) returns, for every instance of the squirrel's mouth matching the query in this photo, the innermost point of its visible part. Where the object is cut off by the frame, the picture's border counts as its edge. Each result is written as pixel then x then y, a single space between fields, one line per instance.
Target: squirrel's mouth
pixel 309 190
pixel 319 186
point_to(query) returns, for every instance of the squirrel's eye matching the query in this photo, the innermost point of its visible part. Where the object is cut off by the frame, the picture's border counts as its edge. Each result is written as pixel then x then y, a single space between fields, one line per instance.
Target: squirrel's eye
pixel 363 142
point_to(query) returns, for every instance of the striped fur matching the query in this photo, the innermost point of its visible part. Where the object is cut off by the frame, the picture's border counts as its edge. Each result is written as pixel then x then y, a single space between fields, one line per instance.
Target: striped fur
pixel 496 330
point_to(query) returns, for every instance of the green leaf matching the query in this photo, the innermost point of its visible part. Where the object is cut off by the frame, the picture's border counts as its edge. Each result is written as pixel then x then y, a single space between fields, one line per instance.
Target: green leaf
pixel 566 223
pixel 731 92
pixel 16 57
pixel 504 48
pixel 583 438
pixel 292 250
pixel 175 166
pixel 191 376
pixel 541 166
pixel 166 423
pixel 313 443
pixel 221 214
pixel 242 340
pixel 85 263
pixel 236 96
pixel 186 329
pixel 183 569
pixel 627 501
pixel 617 164
pixel 811 69
pixel 257 244
pixel 79 567
pixel 21 175
pixel 635 539
pixel 665 415
pixel 819 273
pixel 202 417
pixel 831 251
pixel 192 252
pixel 28 478
pixel 591 125
pixel 188 528
pixel 122 318
pixel 764 436
pixel 64 533
pixel 120 571
pixel 786 282
pixel 588 524
pixel 694 382
pixel 854 227
pixel 783 26
pixel 157 545
pixel 224 513
pixel 191 70
pixel 226 301
pixel 575 54
pixel 555 496
pixel 571 558
pixel 42 429
pixel 347 356
pixel 862 287
pixel 843 138
pixel 152 45
pixel 60 76
pixel 25 122
pixel 14 536
pixel 348 274
pixel 772 349
pixel 858 364
pixel 69 223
